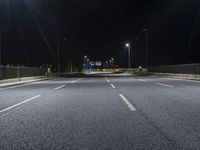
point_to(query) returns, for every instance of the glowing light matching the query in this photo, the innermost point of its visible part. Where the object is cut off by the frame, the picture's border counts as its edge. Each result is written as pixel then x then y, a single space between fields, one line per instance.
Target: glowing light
pixel 127 45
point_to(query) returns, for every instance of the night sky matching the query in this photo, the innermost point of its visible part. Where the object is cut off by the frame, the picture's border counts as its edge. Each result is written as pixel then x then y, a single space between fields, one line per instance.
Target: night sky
pixel 100 29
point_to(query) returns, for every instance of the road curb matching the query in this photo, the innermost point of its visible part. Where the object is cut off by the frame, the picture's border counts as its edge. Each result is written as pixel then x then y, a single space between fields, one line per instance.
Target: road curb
pixel 16 81
pixel 180 76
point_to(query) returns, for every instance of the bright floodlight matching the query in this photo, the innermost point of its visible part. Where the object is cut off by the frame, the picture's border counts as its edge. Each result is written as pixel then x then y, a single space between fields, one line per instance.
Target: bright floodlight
pixel 127 44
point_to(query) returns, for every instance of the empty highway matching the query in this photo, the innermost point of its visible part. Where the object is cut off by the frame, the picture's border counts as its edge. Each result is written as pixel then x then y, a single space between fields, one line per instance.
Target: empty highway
pixel 105 112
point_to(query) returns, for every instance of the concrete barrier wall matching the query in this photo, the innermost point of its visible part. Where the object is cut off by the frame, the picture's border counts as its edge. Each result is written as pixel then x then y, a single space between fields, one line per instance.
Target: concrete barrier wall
pixel 17 72
pixel 182 69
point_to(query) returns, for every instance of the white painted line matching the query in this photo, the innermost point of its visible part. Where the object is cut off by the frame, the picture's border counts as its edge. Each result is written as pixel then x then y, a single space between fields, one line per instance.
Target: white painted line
pixel 113 86
pixel 142 80
pixel 127 102
pixel 60 87
pixel 73 81
pixel 108 81
pixel 194 81
pixel 79 79
pixel 11 107
pixel 165 85
pixel 183 79
pixel 188 80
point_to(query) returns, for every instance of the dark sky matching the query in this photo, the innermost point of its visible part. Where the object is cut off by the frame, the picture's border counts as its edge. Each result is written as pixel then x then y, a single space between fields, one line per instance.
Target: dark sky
pixel 100 29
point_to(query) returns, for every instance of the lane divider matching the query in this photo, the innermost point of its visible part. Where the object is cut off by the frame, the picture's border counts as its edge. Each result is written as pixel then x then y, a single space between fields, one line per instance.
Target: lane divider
pixel 60 87
pixel 26 101
pixel 165 85
pixel 132 108
pixel 113 86
pixel 73 81
pixel 142 80
pixel 108 81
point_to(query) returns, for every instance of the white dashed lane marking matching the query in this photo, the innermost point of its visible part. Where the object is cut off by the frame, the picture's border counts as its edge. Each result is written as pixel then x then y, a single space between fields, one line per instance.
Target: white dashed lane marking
pixel 113 86
pixel 18 104
pixel 60 87
pixel 132 108
pixel 142 80
pixel 165 85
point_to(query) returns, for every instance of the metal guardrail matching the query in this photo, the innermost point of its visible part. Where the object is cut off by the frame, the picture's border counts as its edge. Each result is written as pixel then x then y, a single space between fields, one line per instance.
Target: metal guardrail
pixel 179 69
pixel 18 72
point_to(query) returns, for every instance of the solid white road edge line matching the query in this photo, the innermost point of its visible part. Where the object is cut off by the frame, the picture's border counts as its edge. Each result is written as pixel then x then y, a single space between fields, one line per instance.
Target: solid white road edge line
pixel 113 86
pixel 24 84
pixel 11 107
pixel 132 108
pixel 73 81
pixel 165 85
pixel 60 87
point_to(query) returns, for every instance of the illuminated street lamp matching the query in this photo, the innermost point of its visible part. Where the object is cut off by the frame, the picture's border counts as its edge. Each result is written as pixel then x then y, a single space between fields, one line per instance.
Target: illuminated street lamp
pixel 128 45
pixel 112 63
pixel 106 65
pixel 84 60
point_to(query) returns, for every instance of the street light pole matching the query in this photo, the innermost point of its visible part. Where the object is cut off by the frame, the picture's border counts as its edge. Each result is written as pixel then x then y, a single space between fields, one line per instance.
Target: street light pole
pixel 88 61
pixel 147 45
pixel 0 46
pixel 1 26
pixel 84 64
pixel 113 62
pixel 1 41
pixel 110 64
pixel 129 54
pixel 58 51
pixel 106 67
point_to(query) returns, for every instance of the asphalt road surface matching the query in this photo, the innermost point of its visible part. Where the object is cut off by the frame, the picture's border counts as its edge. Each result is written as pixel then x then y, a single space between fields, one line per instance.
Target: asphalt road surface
pixel 101 113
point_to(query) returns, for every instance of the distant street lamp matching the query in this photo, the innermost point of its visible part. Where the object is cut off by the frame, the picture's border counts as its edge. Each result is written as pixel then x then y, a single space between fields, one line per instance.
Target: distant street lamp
pixel 129 54
pixel 147 45
pixel 84 60
pixel 58 51
pixel 106 66
pixel 112 62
